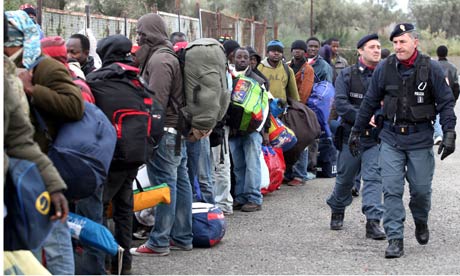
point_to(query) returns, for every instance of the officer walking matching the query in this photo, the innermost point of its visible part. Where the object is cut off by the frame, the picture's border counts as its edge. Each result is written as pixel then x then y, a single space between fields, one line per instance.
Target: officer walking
pixel 350 87
pixel 413 90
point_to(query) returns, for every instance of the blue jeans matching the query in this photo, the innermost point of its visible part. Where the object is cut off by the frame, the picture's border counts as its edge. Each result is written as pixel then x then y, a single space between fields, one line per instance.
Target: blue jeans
pixel 220 170
pixel 246 166
pixel 417 166
pixel 92 260
pixel 437 128
pixel 174 220
pixel 199 170
pixel 347 167
pixel 299 170
pixel 58 251
pixel 204 172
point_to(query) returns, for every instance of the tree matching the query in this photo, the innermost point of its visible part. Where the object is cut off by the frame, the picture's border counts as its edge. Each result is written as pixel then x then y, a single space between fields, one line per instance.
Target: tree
pixel 438 16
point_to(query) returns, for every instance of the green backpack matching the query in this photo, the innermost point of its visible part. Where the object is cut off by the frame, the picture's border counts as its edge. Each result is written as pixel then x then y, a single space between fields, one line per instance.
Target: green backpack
pixel 248 105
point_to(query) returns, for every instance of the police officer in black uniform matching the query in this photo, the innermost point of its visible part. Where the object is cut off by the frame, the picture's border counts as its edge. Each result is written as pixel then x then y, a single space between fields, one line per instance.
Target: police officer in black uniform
pixel 413 90
pixel 351 86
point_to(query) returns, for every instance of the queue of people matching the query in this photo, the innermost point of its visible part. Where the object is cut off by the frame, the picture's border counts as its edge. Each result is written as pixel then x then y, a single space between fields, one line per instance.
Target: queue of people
pixel 386 110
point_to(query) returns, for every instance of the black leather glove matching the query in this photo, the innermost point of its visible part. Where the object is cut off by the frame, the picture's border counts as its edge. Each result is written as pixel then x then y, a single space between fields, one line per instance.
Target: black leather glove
pixel 447 146
pixel 353 142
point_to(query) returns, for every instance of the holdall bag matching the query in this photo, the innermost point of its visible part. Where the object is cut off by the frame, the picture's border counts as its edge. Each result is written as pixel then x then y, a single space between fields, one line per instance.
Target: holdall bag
pixel 276 168
pixel 320 101
pixel 144 194
pixel 327 159
pixel 280 136
pixel 22 262
pixel 27 223
pixel 208 224
pixel 302 120
pixel 82 151
pixel 248 104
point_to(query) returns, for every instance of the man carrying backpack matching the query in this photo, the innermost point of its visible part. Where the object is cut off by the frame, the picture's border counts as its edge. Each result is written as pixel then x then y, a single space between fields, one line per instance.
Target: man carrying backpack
pixel 118 187
pixel 351 86
pixel 161 69
pixel 245 148
pixel 280 75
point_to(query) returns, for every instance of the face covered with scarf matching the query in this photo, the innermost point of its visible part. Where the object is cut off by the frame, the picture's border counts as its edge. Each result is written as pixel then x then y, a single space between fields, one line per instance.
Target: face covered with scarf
pixel 22 32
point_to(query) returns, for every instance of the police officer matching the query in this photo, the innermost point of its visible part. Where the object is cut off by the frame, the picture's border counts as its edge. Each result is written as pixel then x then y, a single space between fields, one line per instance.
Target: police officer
pixel 351 86
pixel 413 90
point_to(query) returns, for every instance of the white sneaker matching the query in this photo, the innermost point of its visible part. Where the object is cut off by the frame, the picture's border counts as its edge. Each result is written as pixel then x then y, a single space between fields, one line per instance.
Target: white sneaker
pixel 437 140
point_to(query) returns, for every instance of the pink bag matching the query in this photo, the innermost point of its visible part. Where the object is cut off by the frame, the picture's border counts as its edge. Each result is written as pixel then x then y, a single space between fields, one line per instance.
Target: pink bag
pixel 276 167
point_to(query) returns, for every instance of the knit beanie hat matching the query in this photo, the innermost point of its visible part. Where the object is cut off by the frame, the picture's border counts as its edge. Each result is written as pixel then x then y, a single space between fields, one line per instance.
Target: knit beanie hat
pixel 230 46
pixel 299 44
pixel 54 46
pixel 275 45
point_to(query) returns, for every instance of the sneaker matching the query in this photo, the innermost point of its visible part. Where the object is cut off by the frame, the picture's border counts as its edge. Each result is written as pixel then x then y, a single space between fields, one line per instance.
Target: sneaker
pixel 437 140
pixel 141 234
pixel 296 182
pixel 354 192
pixel 143 250
pixel 251 207
pixel 174 246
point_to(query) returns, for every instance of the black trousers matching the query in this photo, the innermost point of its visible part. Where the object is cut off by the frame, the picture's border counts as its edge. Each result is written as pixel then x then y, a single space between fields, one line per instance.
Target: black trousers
pixel 118 190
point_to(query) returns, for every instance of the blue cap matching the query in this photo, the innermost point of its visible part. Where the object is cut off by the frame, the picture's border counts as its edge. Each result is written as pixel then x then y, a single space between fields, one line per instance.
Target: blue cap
pixel 401 29
pixel 365 39
pixel 275 45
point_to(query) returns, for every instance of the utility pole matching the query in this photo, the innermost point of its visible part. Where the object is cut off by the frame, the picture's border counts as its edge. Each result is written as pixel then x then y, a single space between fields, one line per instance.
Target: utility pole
pixel 178 13
pixel 311 17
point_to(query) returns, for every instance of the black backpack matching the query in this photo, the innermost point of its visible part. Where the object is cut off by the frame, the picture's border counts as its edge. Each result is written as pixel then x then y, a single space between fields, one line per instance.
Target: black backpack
pixel 137 118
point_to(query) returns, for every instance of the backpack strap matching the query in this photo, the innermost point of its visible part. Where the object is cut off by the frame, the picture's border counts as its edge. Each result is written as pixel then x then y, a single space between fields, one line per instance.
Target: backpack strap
pixel 286 69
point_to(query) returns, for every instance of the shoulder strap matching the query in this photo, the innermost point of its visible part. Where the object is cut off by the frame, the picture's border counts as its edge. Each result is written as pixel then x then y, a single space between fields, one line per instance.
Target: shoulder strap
pixel 286 69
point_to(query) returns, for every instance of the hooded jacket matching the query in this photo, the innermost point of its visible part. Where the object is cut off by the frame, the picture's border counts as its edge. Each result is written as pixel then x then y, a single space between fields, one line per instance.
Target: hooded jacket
pixel 19 132
pixel 161 69
pixel 281 85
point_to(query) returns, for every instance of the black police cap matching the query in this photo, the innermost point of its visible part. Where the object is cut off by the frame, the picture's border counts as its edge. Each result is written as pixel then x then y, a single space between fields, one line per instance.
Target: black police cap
pixel 401 29
pixel 365 39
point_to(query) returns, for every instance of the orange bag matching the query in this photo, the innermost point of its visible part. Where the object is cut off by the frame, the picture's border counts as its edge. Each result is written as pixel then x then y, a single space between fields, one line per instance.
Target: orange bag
pixel 147 197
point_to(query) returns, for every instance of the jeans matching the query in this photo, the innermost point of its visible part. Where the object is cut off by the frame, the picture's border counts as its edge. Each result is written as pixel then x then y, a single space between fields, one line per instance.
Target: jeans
pixel 119 191
pixel 417 166
pixel 299 170
pixel 358 180
pixel 91 261
pixel 221 175
pixel 58 251
pixel 193 156
pixel 172 221
pixel 437 128
pixel 246 160
pixel 347 167
pixel 204 172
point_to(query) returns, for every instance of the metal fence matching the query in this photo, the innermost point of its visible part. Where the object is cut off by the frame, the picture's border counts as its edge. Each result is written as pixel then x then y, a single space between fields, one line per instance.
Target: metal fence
pixel 209 24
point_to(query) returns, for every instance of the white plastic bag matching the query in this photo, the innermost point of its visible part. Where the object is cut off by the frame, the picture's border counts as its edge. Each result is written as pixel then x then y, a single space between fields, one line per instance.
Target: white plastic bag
pixel 264 173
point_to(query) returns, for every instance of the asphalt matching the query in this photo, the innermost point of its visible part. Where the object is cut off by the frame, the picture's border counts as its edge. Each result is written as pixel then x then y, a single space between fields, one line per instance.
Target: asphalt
pixel 291 236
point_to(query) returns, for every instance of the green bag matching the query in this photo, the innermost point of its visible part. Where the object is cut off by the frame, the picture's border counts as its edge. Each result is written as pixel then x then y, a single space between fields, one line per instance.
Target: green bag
pixel 248 106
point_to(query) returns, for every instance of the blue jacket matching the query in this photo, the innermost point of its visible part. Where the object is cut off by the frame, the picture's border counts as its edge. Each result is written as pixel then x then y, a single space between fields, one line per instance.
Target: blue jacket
pixel 322 69
pixel 422 139
pixel 345 109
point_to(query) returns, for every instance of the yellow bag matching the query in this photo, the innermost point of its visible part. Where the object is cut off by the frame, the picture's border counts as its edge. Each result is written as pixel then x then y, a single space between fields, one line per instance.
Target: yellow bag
pixel 22 262
pixel 147 197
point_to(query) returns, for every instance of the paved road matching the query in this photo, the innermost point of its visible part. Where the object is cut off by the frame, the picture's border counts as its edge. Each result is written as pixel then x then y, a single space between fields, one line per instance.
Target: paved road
pixel 291 236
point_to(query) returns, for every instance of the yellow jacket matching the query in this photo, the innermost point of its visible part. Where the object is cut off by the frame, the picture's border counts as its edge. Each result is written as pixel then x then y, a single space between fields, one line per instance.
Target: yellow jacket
pixel 279 85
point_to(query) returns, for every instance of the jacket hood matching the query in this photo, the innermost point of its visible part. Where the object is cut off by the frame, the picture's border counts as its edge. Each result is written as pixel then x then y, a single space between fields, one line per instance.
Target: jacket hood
pixel 154 27
pixel 114 48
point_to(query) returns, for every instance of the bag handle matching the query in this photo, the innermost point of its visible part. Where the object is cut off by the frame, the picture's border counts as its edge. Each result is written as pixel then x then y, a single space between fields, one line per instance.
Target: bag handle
pixel 138 185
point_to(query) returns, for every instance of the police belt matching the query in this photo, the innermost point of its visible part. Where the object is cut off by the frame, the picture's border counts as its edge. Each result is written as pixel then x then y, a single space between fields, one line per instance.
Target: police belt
pixel 406 129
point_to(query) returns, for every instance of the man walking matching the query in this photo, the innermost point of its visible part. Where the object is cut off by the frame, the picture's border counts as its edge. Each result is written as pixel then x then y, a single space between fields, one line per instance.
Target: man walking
pixel 413 89
pixel 351 86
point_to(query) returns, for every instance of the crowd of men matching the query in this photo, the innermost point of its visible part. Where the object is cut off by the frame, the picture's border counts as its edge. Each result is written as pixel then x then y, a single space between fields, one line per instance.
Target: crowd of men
pixel 389 113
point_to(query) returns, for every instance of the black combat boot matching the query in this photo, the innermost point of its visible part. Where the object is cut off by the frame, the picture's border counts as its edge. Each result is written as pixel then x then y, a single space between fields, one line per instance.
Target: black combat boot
pixel 395 249
pixel 374 230
pixel 421 233
pixel 337 221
